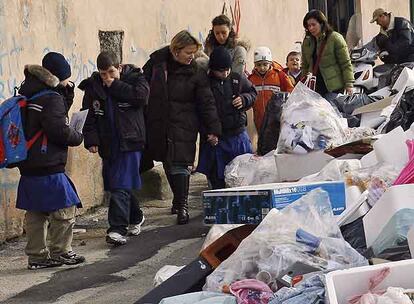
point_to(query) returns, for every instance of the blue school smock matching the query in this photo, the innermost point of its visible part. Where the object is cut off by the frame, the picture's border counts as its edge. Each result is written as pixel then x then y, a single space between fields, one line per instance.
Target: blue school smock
pixel 225 151
pixel 46 193
pixel 121 170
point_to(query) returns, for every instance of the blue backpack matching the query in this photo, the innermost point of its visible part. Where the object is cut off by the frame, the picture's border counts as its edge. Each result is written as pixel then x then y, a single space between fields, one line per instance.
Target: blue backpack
pixel 13 144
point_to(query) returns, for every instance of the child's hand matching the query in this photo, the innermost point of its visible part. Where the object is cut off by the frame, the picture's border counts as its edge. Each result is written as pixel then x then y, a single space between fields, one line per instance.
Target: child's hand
pixel 93 149
pixel 238 103
pixel 212 139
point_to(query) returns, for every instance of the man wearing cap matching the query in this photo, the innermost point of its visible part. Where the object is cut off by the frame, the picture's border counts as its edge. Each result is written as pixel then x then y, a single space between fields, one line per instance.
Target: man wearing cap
pixel 396 37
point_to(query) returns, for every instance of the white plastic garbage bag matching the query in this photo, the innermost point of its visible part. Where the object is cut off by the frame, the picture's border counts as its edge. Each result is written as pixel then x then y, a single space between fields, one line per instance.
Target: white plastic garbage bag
pixel 309 122
pixel 305 231
pixel 249 169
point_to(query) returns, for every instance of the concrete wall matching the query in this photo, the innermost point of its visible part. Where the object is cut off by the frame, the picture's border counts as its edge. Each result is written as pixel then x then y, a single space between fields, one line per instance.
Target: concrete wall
pixel 29 29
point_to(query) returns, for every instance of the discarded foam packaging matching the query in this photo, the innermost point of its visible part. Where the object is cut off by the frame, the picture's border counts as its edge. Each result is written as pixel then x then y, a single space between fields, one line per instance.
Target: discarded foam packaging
pixel 394 199
pixel 250 204
pixel 371 113
pixel 405 80
pixel 354 212
pixel 410 132
pixel 292 167
pixel 342 285
pixel 352 193
pixel 384 92
pixel 391 148
pixel 410 238
pixel 369 160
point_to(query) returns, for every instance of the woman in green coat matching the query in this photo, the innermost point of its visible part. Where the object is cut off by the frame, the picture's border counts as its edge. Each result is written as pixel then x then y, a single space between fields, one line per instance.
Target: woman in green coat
pixel 334 74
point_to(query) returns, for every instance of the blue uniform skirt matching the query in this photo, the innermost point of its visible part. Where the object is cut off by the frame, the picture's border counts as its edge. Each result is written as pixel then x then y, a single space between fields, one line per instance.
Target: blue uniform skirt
pixel 46 193
pixel 225 151
pixel 122 171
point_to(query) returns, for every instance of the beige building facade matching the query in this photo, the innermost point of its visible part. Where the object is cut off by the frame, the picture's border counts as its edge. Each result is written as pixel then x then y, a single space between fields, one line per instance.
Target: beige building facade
pixel 29 29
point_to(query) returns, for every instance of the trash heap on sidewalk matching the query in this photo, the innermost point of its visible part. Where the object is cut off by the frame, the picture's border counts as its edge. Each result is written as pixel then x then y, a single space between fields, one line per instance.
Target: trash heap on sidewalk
pixel 333 205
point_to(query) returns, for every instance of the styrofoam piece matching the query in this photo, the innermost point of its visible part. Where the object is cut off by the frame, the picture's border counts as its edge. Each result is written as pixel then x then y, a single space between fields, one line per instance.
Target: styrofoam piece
pixel 410 238
pixel 385 92
pixel 372 119
pixel 406 79
pixel 391 148
pixel 369 160
pixel 394 199
pixel 341 285
pixel 292 167
pixel 358 209
pixel 410 132
pixel 352 196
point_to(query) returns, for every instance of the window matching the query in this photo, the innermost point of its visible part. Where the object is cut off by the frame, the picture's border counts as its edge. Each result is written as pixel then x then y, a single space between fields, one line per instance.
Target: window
pixel 338 12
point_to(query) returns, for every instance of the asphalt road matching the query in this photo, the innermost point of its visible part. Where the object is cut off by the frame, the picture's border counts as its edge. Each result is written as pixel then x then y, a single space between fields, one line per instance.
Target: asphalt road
pixel 112 274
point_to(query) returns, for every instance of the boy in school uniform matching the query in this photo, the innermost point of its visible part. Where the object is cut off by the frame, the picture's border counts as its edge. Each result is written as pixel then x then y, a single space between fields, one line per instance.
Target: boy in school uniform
pixel 114 128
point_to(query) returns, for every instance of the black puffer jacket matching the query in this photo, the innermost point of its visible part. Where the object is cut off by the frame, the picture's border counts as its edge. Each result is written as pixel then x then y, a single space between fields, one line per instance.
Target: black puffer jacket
pixel 175 108
pixel 129 95
pixel 233 121
pixel 399 43
pixel 47 113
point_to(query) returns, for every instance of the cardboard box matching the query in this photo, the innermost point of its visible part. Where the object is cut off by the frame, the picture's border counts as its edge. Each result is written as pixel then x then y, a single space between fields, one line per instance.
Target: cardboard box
pixel 341 285
pixel 292 167
pixel 249 205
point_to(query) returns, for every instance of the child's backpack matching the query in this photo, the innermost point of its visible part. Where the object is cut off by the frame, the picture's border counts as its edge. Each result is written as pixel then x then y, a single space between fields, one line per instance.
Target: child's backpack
pixel 13 144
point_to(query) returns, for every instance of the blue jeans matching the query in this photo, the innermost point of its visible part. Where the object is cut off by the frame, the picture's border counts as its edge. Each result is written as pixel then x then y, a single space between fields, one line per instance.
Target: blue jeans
pixel 123 210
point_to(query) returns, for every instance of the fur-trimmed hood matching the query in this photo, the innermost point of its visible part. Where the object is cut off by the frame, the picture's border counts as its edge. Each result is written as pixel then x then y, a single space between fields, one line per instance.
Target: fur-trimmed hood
pixel 42 74
pixel 244 43
pixel 37 78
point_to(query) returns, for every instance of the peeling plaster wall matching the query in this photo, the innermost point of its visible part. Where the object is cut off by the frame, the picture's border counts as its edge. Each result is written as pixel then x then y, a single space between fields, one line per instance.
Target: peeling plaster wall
pixel 29 29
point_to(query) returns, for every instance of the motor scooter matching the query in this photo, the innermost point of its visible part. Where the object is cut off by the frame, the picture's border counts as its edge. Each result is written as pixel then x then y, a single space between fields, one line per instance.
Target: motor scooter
pixel 368 77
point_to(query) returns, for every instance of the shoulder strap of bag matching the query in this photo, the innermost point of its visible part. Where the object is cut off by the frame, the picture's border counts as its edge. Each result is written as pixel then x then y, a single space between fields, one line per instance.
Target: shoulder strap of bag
pixel 318 59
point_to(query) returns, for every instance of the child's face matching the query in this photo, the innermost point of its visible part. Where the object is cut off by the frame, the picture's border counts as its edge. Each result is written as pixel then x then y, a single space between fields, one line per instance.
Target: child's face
pixel 110 73
pixel 221 32
pixel 221 74
pixel 262 66
pixel 293 63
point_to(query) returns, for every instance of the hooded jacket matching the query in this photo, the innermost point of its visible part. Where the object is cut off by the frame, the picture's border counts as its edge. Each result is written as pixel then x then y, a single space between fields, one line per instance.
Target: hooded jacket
pixel 233 121
pixel 47 113
pixel 180 101
pixel 275 80
pixel 129 95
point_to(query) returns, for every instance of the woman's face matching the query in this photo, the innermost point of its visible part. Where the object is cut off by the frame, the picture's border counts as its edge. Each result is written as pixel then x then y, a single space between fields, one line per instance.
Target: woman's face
pixel 186 55
pixel 221 32
pixel 314 27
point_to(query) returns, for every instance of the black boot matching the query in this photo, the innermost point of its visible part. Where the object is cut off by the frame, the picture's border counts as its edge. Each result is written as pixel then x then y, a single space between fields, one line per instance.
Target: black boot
pixel 181 184
pixel 174 208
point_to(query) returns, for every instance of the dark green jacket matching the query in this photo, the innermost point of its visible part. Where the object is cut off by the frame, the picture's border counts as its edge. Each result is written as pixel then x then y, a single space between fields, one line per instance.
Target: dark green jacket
pixel 335 65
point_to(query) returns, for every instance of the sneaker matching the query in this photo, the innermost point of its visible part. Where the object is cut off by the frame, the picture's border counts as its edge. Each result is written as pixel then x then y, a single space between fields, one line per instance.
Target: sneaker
pixel 136 229
pixel 115 238
pixel 47 263
pixel 70 258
